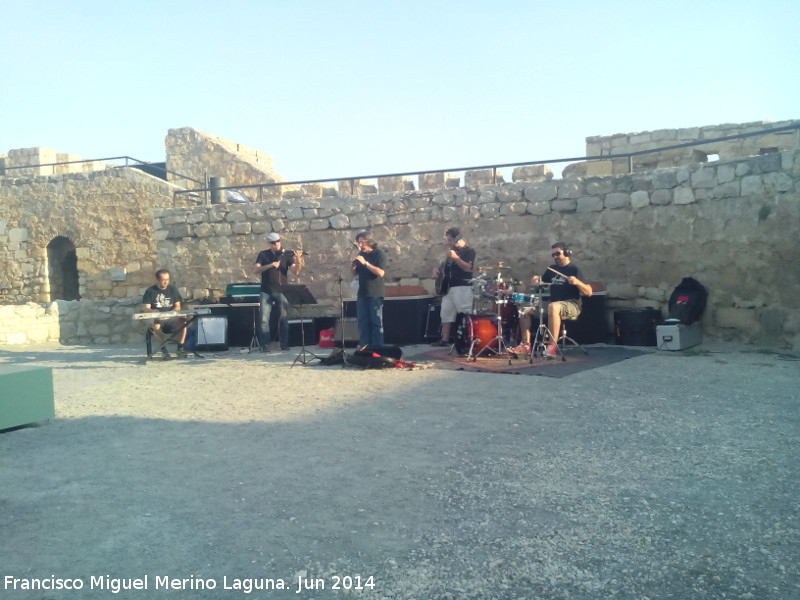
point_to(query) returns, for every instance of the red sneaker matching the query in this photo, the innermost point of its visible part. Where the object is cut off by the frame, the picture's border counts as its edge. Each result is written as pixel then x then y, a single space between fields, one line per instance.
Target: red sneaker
pixel 551 350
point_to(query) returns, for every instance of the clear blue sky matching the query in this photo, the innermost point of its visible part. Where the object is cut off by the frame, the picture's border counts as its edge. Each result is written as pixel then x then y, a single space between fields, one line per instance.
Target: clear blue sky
pixel 338 88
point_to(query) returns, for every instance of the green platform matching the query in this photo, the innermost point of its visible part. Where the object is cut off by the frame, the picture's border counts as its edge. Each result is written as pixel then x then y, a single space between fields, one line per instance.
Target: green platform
pixel 26 396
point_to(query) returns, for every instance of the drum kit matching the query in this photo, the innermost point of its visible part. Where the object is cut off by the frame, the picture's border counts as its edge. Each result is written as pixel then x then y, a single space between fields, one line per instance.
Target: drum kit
pixel 490 329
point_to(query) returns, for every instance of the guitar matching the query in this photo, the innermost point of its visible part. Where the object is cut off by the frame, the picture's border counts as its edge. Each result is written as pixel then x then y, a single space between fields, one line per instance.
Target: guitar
pixel 443 278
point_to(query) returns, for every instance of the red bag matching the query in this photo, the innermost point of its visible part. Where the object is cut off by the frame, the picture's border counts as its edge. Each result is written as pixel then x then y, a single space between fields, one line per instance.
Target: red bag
pixel 326 337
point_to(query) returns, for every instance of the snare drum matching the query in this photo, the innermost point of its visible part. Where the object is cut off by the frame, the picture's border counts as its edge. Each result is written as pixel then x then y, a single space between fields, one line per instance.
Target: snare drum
pixel 480 329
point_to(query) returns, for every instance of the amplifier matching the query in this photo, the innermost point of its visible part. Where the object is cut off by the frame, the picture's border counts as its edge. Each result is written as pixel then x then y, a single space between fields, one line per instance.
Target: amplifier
pixel 237 290
pixel 212 333
pixel 350 333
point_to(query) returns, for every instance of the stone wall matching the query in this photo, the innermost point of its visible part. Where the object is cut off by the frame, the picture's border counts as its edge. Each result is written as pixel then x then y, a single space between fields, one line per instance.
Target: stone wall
pixel 725 223
pixel 199 156
pixel 36 162
pixel 72 322
pixel 728 223
pixel 623 143
pixel 107 215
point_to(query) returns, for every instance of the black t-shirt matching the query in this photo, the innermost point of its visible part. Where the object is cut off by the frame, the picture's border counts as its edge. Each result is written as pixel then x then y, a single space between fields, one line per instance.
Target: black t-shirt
pixel 559 288
pixel 369 284
pixel 162 300
pixel 459 276
pixel 273 278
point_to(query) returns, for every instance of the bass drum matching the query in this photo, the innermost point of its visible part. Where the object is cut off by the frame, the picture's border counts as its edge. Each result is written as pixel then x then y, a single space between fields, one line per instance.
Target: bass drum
pixel 482 329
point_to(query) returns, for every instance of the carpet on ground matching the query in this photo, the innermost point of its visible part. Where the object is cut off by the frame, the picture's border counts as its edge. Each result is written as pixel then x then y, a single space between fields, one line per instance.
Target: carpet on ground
pixel 576 361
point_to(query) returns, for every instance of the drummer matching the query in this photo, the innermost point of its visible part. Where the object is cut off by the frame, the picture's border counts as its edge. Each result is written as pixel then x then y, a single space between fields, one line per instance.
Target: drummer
pixel 566 291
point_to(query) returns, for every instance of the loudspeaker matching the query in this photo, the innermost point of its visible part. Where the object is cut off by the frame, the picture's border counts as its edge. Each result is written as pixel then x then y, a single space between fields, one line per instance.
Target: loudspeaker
pixel 212 333
pixel 636 326
pixel 298 331
pixel 350 333
pixel 433 322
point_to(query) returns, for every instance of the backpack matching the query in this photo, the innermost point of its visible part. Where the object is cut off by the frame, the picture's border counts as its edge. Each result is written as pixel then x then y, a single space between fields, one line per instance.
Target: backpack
pixel 688 301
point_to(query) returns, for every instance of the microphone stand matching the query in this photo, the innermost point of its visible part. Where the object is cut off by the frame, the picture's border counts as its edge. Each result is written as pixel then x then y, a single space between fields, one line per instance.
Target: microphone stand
pixel 341 305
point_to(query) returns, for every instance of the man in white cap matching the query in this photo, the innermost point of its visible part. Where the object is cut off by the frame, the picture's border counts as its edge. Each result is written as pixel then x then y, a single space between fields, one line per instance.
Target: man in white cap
pixel 273 266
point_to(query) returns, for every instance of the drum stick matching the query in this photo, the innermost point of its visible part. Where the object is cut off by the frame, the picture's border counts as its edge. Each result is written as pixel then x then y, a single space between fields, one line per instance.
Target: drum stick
pixel 556 272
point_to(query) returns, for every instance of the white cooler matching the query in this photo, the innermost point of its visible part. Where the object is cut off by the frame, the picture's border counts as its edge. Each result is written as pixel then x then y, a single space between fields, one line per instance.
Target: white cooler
pixel 677 336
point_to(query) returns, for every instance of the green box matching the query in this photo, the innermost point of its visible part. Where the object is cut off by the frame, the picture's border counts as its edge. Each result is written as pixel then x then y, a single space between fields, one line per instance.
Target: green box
pixel 26 396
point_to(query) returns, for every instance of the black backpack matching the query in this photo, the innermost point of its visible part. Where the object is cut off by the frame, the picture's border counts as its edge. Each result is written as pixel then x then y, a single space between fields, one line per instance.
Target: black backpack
pixel 688 301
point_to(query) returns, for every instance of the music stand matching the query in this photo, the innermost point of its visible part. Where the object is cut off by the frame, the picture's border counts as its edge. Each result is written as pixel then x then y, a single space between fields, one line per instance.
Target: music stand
pixel 255 343
pixel 300 295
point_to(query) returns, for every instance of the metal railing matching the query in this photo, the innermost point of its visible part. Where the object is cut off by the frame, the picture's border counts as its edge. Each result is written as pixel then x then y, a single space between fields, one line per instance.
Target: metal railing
pixel 128 160
pixel 204 190
pixel 494 167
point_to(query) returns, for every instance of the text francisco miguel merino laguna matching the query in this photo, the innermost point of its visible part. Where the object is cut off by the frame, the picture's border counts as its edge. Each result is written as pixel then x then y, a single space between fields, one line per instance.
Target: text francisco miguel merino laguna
pixel 163 582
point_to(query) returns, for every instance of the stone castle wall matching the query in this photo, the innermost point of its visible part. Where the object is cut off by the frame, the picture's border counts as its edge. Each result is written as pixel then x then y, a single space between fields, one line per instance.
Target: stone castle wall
pixel 725 223
pixel 624 143
pixel 106 214
pixel 199 156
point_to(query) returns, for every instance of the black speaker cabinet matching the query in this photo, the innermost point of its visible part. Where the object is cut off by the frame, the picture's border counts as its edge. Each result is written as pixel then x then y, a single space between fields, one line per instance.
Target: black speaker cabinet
pixel 404 318
pixel 308 331
pixel 591 327
pixel 243 320
pixel 636 326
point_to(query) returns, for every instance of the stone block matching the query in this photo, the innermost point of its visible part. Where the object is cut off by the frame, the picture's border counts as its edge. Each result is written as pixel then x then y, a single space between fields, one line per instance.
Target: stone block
pixel 704 177
pixel 514 208
pixel 598 187
pixel 589 204
pixel 683 195
pixel 541 193
pixel 340 221
pixel 640 199
pixel 617 200
pixel 570 189
pixel 599 168
pixel 777 182
pixel 391 184
pixel 531 173
pixel 568 205
pixel 18 234
pixel 430 181
pixel 479 177
pixel 752 185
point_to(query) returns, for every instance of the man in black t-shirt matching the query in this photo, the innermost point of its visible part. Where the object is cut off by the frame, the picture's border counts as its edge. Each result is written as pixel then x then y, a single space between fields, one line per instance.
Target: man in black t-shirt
pixel 273 266
pixel 455 275
pixel 163 297
pixel 566 290
pixel 369 265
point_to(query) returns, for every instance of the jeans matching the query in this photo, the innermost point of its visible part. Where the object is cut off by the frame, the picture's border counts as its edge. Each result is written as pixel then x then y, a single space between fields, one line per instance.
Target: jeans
pixel 279 304
pixel 369 313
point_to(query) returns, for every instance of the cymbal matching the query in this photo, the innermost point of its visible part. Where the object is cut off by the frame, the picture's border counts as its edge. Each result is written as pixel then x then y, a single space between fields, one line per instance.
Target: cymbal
pixel 498 267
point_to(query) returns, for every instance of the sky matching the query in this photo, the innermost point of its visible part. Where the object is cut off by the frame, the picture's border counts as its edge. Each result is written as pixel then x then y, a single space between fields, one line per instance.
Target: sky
pixel 345 88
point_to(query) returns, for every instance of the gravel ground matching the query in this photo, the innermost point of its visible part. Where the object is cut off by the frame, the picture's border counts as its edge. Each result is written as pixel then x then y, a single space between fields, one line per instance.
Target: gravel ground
pixel 669 475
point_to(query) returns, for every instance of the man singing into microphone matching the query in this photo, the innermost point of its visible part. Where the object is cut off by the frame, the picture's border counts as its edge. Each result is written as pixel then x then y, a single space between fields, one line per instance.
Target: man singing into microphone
pixel 369 265
pixel 273 265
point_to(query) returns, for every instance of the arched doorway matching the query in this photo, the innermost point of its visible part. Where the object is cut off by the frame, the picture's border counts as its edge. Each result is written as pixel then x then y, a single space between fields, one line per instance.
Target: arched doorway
pixel 62 266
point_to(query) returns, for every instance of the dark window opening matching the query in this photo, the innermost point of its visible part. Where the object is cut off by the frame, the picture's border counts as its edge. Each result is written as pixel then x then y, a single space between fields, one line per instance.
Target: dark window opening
pixel 62 266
